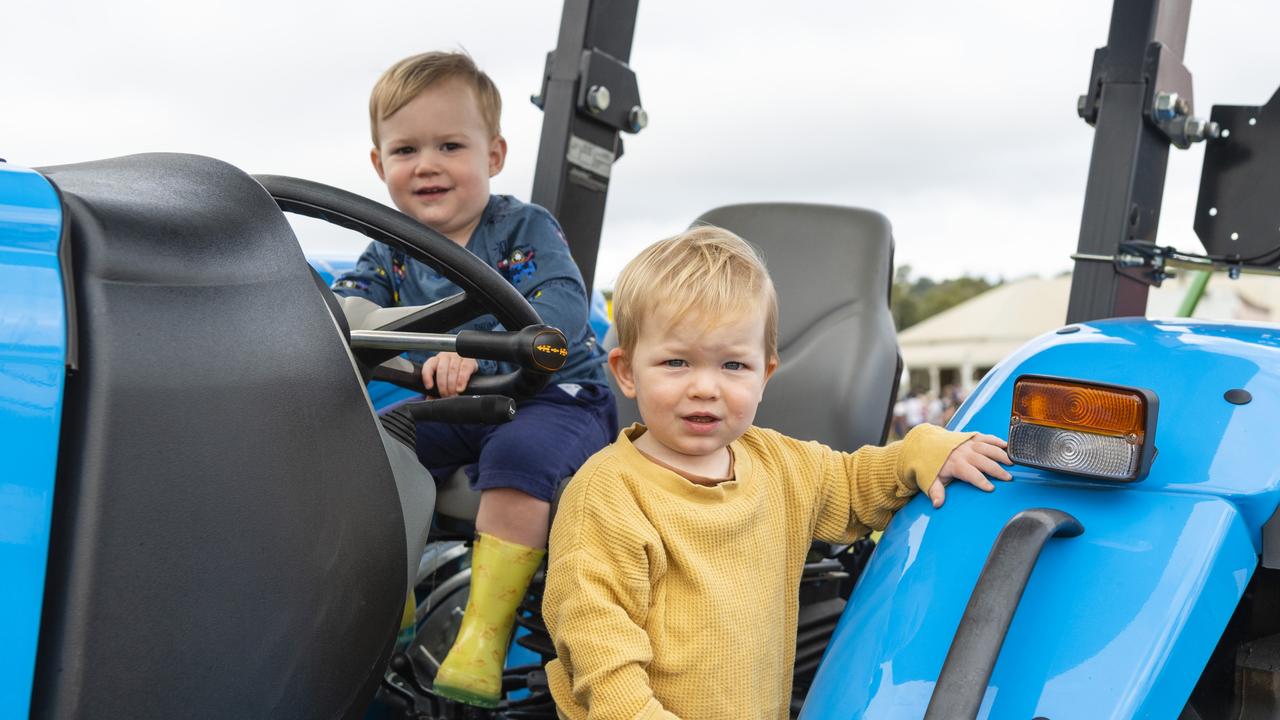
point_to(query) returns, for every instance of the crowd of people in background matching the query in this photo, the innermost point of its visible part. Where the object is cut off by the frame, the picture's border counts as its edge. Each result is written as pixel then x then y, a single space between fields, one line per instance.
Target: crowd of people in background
pixel 918 407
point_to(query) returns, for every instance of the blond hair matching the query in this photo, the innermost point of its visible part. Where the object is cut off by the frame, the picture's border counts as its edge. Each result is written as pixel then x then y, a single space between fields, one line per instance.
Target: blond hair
pixel 707 272
pixel 405 80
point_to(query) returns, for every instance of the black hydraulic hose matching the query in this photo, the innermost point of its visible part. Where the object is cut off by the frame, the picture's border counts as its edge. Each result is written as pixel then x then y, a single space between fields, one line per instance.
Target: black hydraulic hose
pixel 963 681
pixel 520 384
pixel 481 409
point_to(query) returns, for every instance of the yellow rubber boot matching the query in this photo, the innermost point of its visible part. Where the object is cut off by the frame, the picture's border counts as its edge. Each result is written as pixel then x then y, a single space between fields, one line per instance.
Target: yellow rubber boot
pixel 500 575
pixel 408 622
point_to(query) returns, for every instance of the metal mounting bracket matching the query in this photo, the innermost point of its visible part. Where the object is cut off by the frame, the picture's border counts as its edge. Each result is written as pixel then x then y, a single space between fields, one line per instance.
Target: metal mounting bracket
pixel 1237 214
pixel 1169 103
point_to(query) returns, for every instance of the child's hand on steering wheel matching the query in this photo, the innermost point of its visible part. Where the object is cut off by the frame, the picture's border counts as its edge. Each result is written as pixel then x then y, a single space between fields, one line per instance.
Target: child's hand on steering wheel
pixel 972 462
pixel 449 372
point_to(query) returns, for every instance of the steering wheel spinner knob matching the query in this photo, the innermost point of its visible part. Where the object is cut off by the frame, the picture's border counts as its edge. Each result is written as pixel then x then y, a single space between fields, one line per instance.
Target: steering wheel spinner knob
pixel 550 350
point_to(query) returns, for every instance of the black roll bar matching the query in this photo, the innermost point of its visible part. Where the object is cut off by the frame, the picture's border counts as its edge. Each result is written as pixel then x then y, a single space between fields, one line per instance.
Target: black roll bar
pixel 589 94
pixel 1140 67
pixel 967 669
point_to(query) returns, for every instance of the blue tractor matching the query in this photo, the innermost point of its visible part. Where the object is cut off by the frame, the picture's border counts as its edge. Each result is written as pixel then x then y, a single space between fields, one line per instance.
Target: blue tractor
pixel 1129 570
pixel 203 517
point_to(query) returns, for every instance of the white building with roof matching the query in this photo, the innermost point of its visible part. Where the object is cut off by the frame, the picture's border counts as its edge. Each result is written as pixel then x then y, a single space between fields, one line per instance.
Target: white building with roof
pixel 959 345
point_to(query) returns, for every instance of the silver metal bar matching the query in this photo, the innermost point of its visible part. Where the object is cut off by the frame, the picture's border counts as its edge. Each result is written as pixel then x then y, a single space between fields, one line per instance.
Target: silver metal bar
pixel 1125 260
pixel 437 555
pixel 1093 258
pixel 1185 262
pixel 442 591
pixel 403 341
pixel 1232 269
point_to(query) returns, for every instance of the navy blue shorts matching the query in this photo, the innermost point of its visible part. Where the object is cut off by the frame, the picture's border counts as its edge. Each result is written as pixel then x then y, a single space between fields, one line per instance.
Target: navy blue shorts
pixel 550 437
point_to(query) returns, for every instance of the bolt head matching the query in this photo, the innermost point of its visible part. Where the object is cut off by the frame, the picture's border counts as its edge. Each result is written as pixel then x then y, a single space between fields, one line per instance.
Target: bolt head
pixel 1195 129
pixel 638 119
pixel 1082 102
pixel 1198 130
pixel 598 98
pixel 1166 106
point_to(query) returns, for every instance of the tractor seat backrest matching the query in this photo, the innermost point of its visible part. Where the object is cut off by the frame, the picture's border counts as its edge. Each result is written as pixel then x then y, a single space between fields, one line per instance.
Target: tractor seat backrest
pixel 227 538
pixel 832 267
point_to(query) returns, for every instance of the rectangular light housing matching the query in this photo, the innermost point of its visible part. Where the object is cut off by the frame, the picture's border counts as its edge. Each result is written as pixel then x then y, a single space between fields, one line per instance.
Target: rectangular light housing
pixel 1083 428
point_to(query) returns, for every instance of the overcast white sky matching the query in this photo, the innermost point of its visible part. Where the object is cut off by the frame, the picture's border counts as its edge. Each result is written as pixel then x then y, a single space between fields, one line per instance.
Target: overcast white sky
pixel 956 120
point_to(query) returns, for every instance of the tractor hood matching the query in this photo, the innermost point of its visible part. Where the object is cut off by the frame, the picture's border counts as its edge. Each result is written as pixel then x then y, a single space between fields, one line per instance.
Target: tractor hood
pixel 1119 621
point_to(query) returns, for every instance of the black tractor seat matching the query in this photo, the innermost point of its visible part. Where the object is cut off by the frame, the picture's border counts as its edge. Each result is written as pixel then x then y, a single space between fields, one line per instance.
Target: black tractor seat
pixel 839 363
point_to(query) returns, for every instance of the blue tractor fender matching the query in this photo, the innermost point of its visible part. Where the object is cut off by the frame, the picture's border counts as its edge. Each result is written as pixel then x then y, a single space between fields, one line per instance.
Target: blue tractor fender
pixel 1120 621
pixel 33 365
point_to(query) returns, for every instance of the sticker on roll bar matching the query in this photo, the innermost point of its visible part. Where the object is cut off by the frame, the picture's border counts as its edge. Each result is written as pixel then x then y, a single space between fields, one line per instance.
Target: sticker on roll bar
pixel 589 156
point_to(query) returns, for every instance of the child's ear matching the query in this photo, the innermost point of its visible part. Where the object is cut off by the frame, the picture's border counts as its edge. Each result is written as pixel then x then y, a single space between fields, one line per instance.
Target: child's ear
pixel 620 366
pixel 768 372
pixel 497 154
pixel 376 159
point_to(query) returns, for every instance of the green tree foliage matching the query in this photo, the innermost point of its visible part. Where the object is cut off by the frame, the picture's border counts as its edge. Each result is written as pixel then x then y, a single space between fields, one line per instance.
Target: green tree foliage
pixel 915 299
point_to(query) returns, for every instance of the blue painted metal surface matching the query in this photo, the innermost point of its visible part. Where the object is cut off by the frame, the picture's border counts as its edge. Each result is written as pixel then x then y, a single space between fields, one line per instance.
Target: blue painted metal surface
pixel 598 315
pixel 33 349
pixel 330 267
pixel 1120 621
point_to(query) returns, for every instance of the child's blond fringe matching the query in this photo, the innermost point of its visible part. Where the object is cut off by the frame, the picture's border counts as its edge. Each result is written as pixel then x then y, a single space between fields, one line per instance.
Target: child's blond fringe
pixel 706 274
pixel 406 80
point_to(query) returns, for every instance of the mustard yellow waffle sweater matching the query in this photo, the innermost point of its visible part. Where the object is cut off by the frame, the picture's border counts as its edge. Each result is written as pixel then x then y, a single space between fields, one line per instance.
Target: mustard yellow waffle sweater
pixel 670 599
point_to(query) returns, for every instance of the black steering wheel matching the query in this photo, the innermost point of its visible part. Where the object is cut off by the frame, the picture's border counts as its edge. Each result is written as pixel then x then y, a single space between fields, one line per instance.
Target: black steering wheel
pixel 539 350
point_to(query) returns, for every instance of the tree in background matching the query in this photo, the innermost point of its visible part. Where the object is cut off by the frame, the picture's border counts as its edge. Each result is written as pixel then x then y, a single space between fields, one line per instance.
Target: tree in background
pixel 913 300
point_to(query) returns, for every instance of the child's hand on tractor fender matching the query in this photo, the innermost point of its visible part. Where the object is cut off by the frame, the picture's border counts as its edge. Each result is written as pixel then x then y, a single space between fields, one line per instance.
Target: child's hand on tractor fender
pixel 449 371
pixel 979 456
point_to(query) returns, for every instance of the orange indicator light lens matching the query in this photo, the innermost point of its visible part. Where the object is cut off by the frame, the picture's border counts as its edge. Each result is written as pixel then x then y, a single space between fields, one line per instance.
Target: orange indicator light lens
pixel 1075 406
